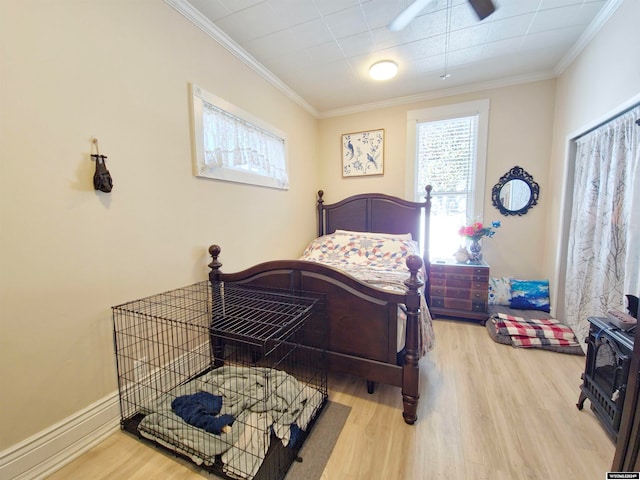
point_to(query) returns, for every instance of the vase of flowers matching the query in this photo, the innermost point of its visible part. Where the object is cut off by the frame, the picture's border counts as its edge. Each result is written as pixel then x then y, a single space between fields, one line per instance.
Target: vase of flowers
pixel 474 232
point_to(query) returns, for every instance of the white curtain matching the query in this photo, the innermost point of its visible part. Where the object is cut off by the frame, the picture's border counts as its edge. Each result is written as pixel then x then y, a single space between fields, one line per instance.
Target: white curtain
pixel 231 142
pixel 603 257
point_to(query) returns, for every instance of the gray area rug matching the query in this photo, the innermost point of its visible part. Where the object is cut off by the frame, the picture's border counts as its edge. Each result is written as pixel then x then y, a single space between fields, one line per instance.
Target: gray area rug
pixel 317 448
pixel 315 451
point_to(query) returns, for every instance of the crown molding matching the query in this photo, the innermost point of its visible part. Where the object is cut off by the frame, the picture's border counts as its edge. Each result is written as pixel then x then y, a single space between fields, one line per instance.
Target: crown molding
pixel 199 20
pixel 592 30
pixel 204 24
pixel 446 92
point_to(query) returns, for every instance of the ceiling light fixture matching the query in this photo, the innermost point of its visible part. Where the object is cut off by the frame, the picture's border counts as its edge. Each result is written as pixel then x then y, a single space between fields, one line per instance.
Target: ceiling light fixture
pixel 383 70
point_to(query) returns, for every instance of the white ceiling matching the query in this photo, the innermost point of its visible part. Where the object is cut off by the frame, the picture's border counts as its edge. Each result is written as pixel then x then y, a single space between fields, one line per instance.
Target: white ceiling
pixel 319 51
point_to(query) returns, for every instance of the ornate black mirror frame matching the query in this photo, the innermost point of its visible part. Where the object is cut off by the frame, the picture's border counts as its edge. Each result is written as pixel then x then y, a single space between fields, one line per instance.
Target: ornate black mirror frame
pixel 497 196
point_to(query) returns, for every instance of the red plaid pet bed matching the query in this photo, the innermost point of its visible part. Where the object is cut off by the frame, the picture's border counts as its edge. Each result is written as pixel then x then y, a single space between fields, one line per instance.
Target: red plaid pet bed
pixel 534 332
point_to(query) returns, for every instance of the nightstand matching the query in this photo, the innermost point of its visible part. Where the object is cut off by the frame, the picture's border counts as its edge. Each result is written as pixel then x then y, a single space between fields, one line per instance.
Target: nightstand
pixel 459 290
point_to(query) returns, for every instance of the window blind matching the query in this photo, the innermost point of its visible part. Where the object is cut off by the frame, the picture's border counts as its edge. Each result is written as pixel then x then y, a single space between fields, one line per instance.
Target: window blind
pixel 446 152
pixel 445 158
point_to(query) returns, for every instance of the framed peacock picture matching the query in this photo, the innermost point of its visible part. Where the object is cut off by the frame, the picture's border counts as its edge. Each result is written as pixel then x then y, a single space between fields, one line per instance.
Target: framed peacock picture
pixel 363 153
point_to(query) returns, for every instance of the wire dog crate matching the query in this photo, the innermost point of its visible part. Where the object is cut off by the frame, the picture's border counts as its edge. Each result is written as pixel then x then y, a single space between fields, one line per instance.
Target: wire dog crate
pixel 228 376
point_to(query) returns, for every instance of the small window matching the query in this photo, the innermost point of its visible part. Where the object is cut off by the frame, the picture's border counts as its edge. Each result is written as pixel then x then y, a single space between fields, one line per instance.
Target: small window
pixel 234 146
pixel 449 153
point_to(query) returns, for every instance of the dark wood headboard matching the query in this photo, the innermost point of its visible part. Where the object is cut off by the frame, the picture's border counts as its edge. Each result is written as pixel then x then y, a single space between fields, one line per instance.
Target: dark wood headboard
pixel 377 212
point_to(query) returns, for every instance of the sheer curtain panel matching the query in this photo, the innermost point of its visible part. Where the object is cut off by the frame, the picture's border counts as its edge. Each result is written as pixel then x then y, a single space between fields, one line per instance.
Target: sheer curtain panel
pixel 232 142
pixel 603 255
pixel 235 146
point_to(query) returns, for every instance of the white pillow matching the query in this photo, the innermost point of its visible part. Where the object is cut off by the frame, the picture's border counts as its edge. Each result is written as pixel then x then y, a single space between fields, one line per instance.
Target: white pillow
pixel 399 236
pixel 500 291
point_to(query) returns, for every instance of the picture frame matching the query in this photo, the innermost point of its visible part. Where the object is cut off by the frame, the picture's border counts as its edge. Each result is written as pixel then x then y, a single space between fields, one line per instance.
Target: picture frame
pixel 363 153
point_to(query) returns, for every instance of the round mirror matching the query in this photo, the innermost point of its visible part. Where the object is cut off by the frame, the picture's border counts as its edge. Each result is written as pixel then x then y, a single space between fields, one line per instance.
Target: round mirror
pixel 515 193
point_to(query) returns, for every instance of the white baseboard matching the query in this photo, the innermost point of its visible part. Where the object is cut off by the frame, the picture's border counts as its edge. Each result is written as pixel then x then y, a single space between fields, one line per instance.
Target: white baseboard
pixel 51 449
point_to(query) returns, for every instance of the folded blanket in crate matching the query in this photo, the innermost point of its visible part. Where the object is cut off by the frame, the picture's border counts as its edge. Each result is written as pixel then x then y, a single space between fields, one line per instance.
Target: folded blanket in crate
pixel 201 410
pixel 260 399
pixel 532 332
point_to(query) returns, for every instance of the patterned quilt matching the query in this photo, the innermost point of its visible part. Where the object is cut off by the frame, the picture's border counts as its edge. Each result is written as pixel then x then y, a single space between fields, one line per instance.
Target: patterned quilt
pixel 377 259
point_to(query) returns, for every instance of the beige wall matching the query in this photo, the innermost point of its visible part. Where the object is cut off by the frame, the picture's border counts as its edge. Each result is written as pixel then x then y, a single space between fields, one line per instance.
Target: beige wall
pixel 116 70
pixel 604 77
pixel 119 71
pixel 520 133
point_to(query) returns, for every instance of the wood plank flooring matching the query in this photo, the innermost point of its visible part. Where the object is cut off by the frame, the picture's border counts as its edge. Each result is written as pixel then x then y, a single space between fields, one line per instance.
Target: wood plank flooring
pixel 487 411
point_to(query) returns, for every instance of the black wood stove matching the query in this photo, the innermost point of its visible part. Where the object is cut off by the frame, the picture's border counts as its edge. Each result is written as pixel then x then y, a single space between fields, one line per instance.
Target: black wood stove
pixel 604 381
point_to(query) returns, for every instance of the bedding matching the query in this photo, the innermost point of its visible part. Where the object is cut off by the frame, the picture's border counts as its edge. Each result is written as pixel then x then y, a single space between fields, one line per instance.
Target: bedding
pixel 261 401
pixel 377 235
pixel 526 325
pixel 379 260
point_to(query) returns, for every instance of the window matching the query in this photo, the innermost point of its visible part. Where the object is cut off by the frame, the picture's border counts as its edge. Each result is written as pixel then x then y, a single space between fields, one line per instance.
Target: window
pixel 232 145
pixel 447 149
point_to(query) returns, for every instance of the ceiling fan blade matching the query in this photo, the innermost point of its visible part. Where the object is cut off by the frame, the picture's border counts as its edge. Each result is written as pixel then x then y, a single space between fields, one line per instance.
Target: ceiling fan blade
pixel 483 8
pixel 408 14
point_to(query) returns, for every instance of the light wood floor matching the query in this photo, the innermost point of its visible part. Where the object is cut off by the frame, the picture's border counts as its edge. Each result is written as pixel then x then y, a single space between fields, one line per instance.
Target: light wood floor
pixel 487 411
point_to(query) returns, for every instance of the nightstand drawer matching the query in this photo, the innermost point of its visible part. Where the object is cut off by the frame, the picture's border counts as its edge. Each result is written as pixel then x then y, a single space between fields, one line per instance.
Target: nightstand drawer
pixel 459 277
pixel 477 306
pixel 437 290
pixel 459 290
pixel 437 302
pixel 458 303
pixel 436 268
pixel 481 272
pixel 452 292
pixel 458 282
pixel 478 295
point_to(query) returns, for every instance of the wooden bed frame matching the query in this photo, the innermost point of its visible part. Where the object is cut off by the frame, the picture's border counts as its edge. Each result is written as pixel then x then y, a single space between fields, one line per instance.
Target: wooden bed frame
pixel 361 319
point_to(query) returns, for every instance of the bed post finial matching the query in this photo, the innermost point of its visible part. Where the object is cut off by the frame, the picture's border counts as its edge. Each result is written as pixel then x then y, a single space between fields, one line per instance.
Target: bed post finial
pixel 413 283
pixel 428 189
pixel 320 216
pixel 214 251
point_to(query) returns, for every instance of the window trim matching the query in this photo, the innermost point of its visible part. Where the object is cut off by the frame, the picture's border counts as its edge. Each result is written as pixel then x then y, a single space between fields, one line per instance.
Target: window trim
pixel 446 112
pixel 199 96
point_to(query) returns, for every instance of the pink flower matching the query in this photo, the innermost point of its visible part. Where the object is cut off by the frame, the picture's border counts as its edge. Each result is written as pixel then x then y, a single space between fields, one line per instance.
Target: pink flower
pixel 477 230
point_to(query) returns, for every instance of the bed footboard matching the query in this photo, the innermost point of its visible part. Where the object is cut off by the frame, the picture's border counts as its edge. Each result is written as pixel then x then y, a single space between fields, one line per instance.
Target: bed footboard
pixel 361 319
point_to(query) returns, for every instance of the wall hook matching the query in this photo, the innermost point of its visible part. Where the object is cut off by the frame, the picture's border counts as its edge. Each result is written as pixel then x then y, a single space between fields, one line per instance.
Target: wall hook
pixel 102 178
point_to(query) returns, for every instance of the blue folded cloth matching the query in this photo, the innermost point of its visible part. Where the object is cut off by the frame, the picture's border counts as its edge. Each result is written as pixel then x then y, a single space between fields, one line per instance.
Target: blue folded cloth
pixel 201 410
pixel 296 436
